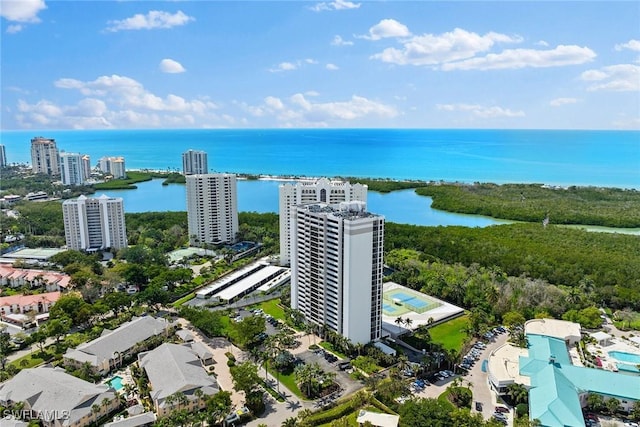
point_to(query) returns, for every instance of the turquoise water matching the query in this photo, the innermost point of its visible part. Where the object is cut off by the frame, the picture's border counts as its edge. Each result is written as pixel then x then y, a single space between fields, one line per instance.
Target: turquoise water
pixel 409 299
pixel 625 357
pixel 116 383
pixel 599 158
pixel 627 368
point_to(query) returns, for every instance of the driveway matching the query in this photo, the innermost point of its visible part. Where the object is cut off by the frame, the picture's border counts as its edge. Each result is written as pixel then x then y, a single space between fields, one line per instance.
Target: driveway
pixel 479 382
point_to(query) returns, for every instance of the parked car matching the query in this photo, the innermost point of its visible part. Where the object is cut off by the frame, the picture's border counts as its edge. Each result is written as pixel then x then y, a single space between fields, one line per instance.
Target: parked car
pixel 479 406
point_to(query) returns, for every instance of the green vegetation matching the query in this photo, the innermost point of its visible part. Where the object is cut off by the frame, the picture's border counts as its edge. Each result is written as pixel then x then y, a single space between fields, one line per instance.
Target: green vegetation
pixel 367 364
pixel 451 335
pixel 385 185
pixel 184 299
pixel 174 178
pixel 332 348
pixel 601 264
pixel 271 307
pixel 610 207
pixel 127 184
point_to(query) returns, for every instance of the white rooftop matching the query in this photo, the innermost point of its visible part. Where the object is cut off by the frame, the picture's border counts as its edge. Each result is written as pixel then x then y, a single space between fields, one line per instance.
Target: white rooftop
pixel 249 282
pixel 553 328
pixel 504 365
pixel 377 419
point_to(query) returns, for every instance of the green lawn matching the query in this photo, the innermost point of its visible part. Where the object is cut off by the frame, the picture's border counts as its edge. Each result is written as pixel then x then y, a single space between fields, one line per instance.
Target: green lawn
pixel 351 418
pixel 328 346
pixel 289 381
pixel 272 308
pixel 450 334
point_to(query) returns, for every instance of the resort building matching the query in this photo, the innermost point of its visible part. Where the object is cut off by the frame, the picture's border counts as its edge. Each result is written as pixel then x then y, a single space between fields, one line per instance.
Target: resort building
pixel 51 281
pixel 175 375
pixel 44 156
pixel 194 162
pixel 57 398
pixel 551 369
pixel 336 268
pixel 3 156
pixel 113 166
pixel 92 224
pixel 212 208
pixel 72 169
pixel 109 350
pixel 304 192
pixel 24 310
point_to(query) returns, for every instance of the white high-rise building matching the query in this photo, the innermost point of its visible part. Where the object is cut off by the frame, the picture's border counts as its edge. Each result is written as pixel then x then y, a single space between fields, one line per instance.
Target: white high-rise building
pixel 319 191
pixel 94 223
pixel 72 169
pixel 3 156
pixel 114 166
pixel 194 162
pixel 86 166
pixel 212 208
pixel 337 266
pixel 44 156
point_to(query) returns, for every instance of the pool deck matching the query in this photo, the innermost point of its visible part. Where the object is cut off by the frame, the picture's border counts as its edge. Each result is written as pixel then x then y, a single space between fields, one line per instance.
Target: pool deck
pixel 444 311
pixel 617 344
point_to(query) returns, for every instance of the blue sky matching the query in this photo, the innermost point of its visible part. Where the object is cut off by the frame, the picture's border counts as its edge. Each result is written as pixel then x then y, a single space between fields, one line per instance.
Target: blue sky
pixel 265 64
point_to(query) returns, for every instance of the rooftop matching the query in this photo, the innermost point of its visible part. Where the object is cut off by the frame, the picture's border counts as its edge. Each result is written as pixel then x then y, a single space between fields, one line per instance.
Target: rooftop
pixel 553 328
pixel 173 368
pixel 117 341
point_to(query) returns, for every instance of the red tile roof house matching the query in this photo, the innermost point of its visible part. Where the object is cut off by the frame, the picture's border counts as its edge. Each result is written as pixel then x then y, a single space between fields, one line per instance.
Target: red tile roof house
pixel 14 308
pixel 17 277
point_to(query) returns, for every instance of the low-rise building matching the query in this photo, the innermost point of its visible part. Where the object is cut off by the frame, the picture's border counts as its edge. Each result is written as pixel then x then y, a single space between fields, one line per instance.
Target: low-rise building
pixel 25 309
pixel 175 375
pixel 13 277
pixel 109 350
pixel 57 398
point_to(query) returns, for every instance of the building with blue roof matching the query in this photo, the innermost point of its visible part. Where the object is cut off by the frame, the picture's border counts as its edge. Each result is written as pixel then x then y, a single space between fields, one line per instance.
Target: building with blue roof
pixel 559 389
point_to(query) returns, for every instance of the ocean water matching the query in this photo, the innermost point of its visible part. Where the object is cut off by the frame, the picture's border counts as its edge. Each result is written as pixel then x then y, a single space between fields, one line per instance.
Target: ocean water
pixel 597 158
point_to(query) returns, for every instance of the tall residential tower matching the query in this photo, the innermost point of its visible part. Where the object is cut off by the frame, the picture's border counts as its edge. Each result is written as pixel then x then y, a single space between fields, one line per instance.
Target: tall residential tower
pixel 72 170
pixel 319 191
pixel 212 208
pixel 336 268
pixel 94 223
pixel 44 156
pixel 194 162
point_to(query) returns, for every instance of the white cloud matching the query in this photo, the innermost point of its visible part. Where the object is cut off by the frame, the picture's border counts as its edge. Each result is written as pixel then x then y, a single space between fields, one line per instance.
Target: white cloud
pixel 290 66
pixel 542 43
pixel 522 58
pixel 152 20
pixel 332 67
pixel 300 111
pixel 562 101
pixel 631 45
pixel 618 78
pixel 387 28
pixel 118 102
pixel 627 123
pixel 481 111
pixel 170 66
pixel 339 41
pixel 430 49
pixel 21 10
pixel 334 5
pixel 284 66
pixel 14 28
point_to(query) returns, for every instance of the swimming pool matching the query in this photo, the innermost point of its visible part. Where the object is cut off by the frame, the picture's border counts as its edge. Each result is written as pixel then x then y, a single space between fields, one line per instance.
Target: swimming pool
pixel 625 357
pixel 116 383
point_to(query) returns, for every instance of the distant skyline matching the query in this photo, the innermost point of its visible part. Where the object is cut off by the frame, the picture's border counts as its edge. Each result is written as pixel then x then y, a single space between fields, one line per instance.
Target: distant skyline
pixel 336 64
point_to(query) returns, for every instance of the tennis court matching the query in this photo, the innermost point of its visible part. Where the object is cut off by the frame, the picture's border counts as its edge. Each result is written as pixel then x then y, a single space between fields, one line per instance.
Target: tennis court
pixel 401 301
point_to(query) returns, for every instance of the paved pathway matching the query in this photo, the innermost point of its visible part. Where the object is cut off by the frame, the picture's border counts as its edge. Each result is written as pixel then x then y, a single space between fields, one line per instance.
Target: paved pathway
pixel 478 379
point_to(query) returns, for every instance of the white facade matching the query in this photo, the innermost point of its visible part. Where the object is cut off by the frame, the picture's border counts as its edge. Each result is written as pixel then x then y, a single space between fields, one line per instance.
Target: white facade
pixel 336 268
pixel 44 156
pixel 114 166
pixel 3 156
pixel 72 169
pixel 212 208
pixel 94 224
pixel 194 162
pixel 319 191
pixel 86 166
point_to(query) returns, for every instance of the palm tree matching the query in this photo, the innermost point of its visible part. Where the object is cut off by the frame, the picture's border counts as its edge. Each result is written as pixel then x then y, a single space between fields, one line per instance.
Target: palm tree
pixel 408 322
pixel 290 422
pixel 399 321
pixel 94 410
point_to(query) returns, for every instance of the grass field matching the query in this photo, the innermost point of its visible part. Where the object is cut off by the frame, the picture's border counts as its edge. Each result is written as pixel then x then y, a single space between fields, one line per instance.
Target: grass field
pixel 450 334
pixel 289 381
pixel 271 308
